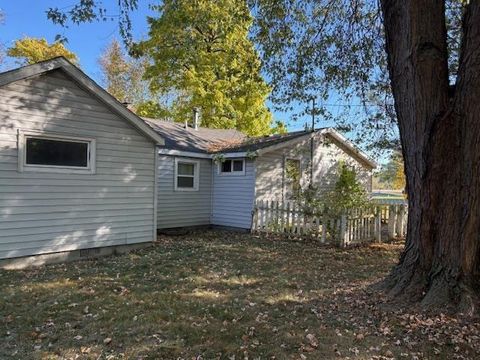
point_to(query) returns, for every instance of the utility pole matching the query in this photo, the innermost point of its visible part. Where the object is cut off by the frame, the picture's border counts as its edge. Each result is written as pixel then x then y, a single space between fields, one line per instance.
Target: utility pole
pixel 312 144
pixel 313 114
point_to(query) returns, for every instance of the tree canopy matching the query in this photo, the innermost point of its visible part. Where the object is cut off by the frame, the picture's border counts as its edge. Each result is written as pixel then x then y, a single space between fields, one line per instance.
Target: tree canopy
pixel 201 55
pixel 31 50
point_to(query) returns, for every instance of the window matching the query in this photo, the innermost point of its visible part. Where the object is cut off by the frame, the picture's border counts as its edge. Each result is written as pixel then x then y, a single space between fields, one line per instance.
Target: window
pixel 233 167
pixel 186 175
pixel 292 178
pixel 56 153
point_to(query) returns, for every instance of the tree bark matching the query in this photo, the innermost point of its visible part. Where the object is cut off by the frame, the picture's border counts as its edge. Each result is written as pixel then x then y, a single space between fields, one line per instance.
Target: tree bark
pixel 440 138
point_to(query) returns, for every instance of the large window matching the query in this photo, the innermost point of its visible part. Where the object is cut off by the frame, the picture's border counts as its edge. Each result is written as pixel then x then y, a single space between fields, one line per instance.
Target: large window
pixel 232 167
pixel 186 175
pixel 56 153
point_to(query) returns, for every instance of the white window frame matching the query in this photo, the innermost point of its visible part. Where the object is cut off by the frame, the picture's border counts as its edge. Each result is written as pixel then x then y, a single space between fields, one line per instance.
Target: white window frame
pixel 232 173
pixel 196 174
pixel 22 153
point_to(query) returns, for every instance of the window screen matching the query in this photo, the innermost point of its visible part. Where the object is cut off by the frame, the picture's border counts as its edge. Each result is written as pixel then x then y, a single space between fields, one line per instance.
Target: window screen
pixel 238 165
pixel 227 166
pixel 52 152
pixel 232 166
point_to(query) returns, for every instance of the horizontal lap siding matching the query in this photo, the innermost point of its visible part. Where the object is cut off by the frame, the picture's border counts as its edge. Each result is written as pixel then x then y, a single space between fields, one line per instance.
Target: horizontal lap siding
pixel 49 212
pixel 183 208
pixel 233 198
pixel 269 183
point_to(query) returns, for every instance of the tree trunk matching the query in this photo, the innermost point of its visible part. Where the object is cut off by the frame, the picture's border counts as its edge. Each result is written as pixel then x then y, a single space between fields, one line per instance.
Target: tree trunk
pixel 440 138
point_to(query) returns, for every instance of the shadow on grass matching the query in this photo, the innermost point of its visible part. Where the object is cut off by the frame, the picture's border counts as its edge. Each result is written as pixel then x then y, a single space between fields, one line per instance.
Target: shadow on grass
pixel 217 295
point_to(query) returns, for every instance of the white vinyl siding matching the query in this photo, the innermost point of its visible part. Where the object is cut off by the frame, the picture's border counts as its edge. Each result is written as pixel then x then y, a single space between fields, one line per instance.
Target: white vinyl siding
pixel 233 198
pixel 43 212
pixel 183 208
pixel 270 183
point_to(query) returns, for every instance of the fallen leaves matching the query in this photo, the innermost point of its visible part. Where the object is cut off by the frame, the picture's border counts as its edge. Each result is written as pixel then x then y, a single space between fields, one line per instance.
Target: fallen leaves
pixel 211 295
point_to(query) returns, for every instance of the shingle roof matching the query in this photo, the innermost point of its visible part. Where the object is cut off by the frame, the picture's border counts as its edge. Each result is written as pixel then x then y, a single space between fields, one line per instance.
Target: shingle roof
pixel 257 143
pixel 203 140
pixel 211 141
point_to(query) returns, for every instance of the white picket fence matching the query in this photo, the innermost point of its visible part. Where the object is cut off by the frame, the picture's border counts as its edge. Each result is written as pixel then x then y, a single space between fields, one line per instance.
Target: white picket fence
pixel 354 227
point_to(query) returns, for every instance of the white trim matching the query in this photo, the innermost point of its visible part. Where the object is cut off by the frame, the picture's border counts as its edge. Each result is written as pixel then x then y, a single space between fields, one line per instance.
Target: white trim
pixel 193 154
pixel 231 173
pixel 83 80
pixel 184 153
pixel 22 153
pixel 155 193
pixel 196 174
pixel 347 143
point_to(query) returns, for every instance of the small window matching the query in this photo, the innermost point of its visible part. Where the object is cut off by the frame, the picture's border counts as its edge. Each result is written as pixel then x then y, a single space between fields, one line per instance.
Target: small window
pixel 186 175
pixel 55 153
pixel 233 167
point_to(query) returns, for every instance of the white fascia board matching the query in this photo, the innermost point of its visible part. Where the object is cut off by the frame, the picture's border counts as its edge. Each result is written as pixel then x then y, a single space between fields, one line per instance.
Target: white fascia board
pixel 193 154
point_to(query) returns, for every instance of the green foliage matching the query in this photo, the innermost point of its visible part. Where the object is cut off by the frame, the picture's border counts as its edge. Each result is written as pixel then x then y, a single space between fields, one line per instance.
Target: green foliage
pixel 31 50
pixel 151 109
pixel 292 178
pixel 279 127
pixel 201 54
pixel 391 175
pixel 123 75
pixel 347 194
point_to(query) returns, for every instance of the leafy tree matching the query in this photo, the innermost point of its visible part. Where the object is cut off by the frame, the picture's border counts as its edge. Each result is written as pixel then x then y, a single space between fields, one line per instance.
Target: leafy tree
pixel 123 75
pixel 200 52
pixel 152 109
pixel 279 127
pixel 32 50
pixel 2 49
pixel 391 175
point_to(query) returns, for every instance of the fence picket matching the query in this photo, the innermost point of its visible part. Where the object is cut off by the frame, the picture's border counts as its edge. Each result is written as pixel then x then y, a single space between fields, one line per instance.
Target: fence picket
pixel 355 226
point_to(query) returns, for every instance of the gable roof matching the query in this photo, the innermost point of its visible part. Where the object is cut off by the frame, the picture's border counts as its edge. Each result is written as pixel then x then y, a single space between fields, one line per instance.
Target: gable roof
pixel 207 142
pixel 86 83
pixel 203 140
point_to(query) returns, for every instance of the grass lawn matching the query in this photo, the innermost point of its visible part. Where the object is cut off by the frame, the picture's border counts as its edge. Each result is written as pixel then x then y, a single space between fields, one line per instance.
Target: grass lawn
pixel 220 295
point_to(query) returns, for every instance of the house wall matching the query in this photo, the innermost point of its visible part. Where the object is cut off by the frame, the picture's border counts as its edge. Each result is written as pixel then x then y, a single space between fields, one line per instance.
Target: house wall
pixel 233 197
pixel 183 208
pixel 269 182
pixel 52 212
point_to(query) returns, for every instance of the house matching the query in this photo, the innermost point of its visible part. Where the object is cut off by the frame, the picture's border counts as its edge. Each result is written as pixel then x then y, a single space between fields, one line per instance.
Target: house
pixel 214 177
pixel 77 169
pixel 82 175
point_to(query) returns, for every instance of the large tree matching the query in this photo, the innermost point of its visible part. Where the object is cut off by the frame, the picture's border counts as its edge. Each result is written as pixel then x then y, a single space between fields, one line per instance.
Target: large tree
pixel 201 54
pixel 31 50
pixel 425 56
pixel 122 75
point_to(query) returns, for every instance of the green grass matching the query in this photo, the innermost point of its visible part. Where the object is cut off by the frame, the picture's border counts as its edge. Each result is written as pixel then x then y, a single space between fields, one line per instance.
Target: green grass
pixel 220 295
